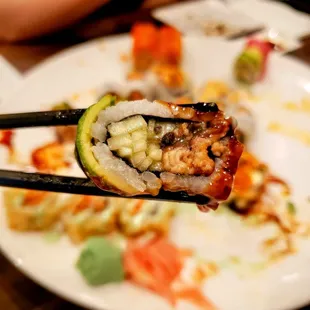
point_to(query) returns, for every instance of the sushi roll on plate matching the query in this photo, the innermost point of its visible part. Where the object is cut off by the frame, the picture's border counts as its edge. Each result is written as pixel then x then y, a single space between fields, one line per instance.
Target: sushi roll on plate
pixel 144 48
pixel 169 82
pixel 142 147
pixel 87 216
pixel 29 210
pixel 129 90
pixel 169 48
pixel 231 101
pixel 137 89
pixel 141 216
pixel 115 89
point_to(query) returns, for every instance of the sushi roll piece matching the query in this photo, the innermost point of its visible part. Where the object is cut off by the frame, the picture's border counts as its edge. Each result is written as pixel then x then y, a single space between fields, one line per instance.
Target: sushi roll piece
pixel 145 41
pixel 140 147
pixel 138 217
pixel 169 48
pixel 169 82
pixel 87 216
pixel 64 133
pixel 251 65
pixel 29 210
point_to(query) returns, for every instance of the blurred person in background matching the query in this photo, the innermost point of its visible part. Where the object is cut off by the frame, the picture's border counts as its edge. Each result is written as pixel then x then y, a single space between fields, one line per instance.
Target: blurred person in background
pixel 27 19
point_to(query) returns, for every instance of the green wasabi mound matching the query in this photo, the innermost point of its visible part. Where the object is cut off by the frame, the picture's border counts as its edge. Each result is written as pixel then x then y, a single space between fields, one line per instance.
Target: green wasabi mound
pixel 100 262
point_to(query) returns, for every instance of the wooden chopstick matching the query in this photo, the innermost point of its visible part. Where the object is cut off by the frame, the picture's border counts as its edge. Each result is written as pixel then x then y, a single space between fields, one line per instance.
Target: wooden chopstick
pixel 39 119
pixel 82 186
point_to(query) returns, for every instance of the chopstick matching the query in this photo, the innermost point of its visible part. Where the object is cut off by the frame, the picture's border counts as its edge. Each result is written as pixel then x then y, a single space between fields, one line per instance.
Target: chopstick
pixel 39 119
pixel 81 186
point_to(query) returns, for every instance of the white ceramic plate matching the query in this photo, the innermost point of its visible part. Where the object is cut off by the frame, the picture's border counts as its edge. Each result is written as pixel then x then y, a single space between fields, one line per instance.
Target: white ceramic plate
pixel 276 15
pixel 215 236
pixel 193 17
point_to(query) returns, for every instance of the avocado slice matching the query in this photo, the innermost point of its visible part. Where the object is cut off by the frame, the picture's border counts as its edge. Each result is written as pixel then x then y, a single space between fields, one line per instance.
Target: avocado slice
pixel 103 178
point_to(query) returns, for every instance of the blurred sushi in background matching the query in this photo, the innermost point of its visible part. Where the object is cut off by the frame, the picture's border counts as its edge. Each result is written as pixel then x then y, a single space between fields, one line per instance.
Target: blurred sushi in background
pixel 114 89
pixel 249 185
pixel 133 89
pixel 87 216
pixel 153 45
pixel 169 47
pixel 29 210
pixel 141 216
pixel 52 156
pixel 251 64
pixel 159 55
pixel 231 101
pixel 169 82
pixel 145 40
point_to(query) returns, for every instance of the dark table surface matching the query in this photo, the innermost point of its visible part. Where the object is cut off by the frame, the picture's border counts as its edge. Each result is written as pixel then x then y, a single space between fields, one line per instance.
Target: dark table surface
pixel 17 292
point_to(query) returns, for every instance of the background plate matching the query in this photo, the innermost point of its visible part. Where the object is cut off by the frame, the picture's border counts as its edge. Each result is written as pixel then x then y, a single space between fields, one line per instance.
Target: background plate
pixel 80 70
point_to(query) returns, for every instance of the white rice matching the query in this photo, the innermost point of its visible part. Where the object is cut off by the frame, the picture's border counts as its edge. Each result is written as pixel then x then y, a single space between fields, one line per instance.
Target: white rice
pixel 142 182
pixel 113 164
pixel 125 109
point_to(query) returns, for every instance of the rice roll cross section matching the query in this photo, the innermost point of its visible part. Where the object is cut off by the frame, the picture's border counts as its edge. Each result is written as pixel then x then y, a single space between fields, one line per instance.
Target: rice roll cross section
pixel 142 147
pixel 30 210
